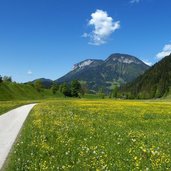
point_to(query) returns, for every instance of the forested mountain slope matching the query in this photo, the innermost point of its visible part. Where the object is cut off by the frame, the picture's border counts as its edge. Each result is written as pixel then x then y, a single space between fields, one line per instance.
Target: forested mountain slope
pixel 154 83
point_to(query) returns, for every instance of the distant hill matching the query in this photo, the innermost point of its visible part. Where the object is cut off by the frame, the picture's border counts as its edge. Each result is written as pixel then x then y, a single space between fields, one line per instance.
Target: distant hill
pixel 116 69
pixel 154 83
pixel 47 83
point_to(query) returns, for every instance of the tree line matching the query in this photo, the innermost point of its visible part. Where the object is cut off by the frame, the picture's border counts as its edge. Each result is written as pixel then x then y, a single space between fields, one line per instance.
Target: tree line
pixel 5 79
pixel 73 89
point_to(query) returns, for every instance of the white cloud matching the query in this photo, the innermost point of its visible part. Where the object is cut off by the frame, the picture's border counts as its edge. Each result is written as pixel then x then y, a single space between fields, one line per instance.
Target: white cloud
pixel 134 1
pixel 29 72
pixel 103 27
pixel 165 52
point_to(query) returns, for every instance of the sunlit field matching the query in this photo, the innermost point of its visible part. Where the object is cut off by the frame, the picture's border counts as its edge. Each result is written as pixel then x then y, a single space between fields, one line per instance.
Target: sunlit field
pixel 8 105
pixel 94 135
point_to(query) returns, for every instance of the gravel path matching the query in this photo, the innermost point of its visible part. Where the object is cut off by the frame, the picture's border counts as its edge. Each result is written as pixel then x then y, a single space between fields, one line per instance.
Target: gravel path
pixel 10 125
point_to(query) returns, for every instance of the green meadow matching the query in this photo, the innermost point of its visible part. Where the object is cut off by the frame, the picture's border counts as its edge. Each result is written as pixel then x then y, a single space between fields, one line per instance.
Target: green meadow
pixel 11 91
pixel 94 135
pixel 5 106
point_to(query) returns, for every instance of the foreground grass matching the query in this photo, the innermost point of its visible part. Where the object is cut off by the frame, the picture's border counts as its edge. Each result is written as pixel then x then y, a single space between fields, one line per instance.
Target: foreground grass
pixel 95 135
pixel 5 106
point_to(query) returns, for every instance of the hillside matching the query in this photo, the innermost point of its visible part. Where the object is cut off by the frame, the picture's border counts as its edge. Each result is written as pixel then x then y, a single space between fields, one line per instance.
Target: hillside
pixel 15 91
pixel 116 69
pixel 154 83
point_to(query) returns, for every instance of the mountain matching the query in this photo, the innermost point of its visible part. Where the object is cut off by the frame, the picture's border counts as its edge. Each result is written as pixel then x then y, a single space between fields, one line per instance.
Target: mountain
pixel 116 69
pixel 47 83
pixel 154 83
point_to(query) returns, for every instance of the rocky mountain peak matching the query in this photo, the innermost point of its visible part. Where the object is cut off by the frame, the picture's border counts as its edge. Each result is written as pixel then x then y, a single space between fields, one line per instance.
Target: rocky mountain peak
pixel 123 58
pixel 86 63
pixel 82 64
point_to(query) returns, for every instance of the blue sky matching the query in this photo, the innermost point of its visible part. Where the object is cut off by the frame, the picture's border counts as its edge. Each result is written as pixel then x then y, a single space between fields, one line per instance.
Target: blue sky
pixel 44 38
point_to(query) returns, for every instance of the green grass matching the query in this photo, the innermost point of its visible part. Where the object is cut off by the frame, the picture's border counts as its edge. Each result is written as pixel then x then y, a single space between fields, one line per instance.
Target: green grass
pixel 95 135
pixel 15 91
pixel 91 96
pixel 8 105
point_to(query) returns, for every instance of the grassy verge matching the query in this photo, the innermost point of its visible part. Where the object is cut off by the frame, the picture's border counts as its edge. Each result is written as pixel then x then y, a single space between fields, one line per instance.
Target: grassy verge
pixel 95 135
pixel 5 106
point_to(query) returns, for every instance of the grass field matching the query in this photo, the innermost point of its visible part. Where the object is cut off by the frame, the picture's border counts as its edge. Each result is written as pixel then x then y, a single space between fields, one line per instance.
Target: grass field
pixel 8 105
pixel 94 135
pixel 14 91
